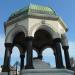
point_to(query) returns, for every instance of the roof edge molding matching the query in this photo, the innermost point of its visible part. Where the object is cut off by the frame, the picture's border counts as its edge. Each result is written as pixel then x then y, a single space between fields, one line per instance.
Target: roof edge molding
pixel 33 8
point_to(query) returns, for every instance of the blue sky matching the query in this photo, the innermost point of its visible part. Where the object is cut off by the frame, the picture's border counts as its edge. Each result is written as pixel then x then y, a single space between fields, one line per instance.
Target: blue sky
pixel 64 8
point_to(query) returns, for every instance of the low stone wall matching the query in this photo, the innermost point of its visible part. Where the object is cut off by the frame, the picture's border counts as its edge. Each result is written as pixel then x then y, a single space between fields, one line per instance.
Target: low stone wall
pixel 47 72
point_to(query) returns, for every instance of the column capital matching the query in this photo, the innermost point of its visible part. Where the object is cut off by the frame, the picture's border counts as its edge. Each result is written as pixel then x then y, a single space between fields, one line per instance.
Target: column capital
pixel 28 38
pixel 57 40
pixel 9 45
pixel 65 47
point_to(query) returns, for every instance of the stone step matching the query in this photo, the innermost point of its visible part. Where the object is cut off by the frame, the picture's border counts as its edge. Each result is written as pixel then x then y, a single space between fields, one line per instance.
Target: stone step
pixel 39 64
pixel 47 72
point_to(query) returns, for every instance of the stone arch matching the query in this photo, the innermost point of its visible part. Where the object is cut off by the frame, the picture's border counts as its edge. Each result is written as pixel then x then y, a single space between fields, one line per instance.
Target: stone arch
pixel 10 36
pixel 46 27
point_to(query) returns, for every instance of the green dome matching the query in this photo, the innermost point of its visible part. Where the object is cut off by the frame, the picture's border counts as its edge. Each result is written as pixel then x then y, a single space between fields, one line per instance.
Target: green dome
pixel 32 8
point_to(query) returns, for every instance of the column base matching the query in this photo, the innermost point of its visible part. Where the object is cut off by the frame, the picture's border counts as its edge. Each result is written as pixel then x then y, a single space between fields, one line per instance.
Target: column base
pixel 29 67
pixel 5 69
pixel 40 57
pixel 60 67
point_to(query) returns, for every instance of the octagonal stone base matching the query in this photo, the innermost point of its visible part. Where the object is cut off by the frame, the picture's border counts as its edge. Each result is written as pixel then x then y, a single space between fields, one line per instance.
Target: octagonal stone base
pixel 47 72
pixel 4 73
pixel 43 72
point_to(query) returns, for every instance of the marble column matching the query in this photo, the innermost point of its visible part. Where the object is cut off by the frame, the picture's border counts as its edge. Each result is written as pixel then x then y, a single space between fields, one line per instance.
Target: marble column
pixel 40 55
pixel 8 51
pixel 22 56
pixel 56 59
pixel 67 59
pixel 29 60
pixel 58 54
pixel 65 46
